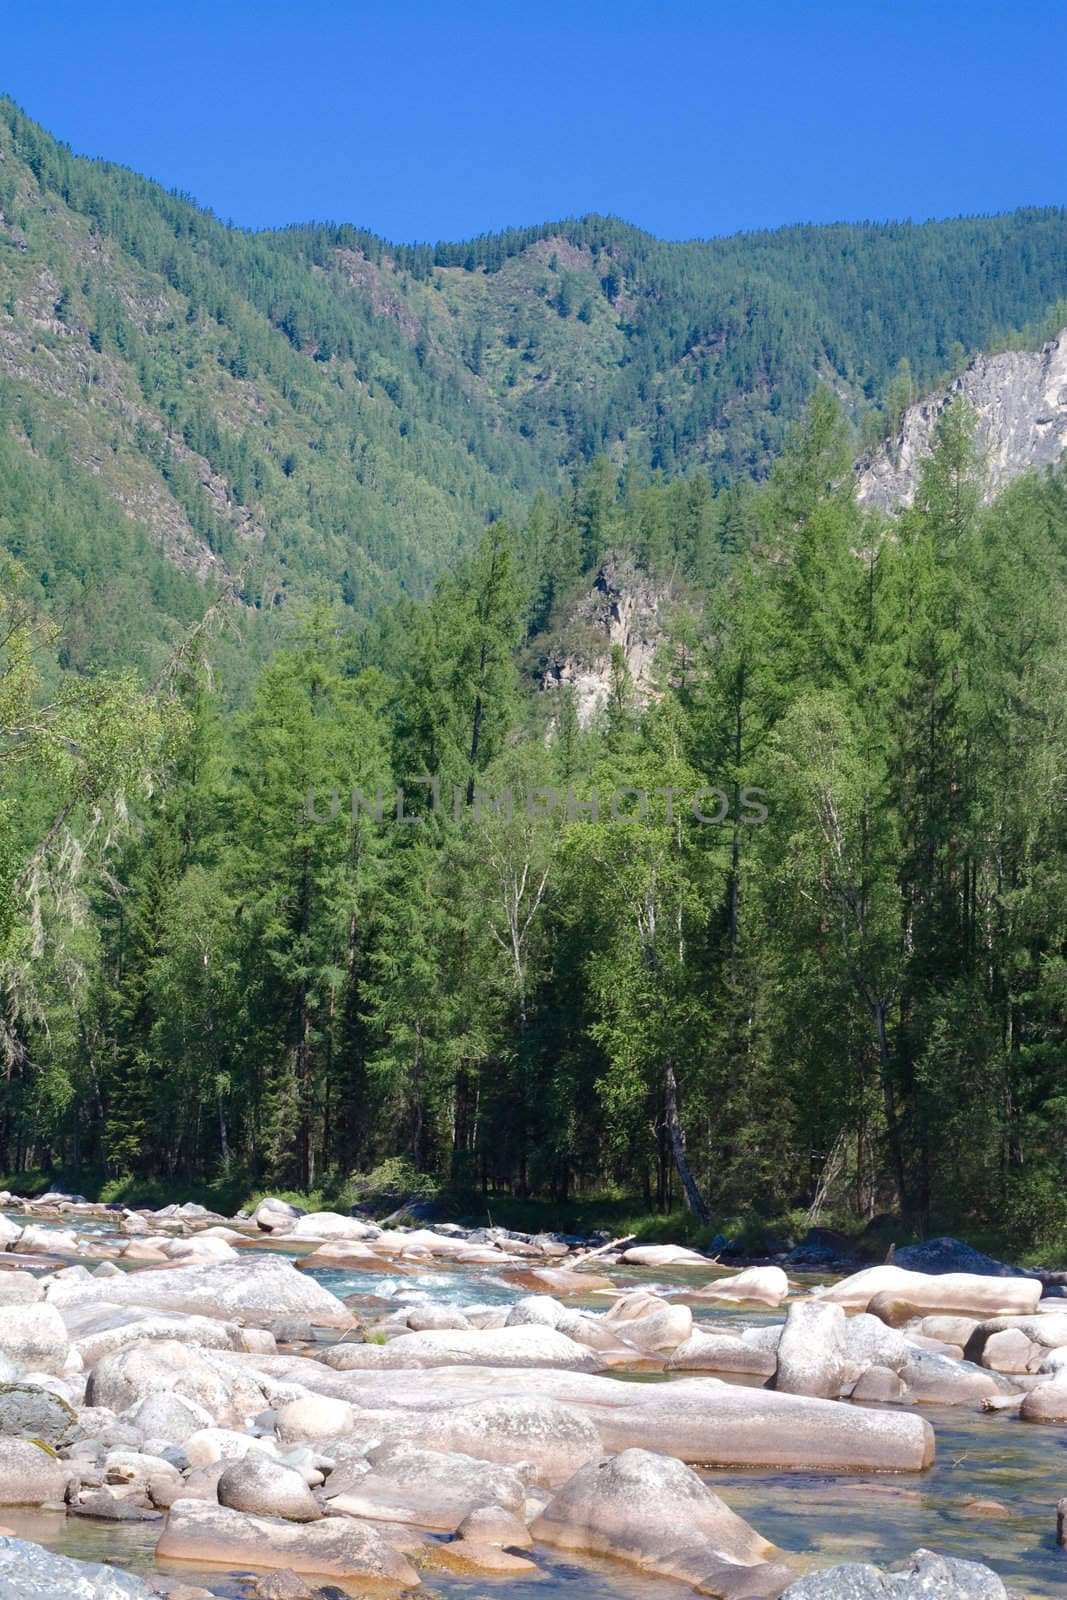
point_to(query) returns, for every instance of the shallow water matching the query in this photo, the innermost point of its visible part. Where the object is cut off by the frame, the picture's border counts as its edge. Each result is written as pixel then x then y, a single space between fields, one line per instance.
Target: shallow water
pixel 816 1519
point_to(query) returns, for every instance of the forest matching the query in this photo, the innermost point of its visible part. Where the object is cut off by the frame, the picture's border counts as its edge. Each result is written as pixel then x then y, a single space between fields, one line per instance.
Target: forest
pixel 854 1009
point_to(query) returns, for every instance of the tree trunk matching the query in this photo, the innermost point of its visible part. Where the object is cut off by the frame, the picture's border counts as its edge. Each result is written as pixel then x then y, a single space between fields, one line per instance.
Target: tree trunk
pixel 694 1200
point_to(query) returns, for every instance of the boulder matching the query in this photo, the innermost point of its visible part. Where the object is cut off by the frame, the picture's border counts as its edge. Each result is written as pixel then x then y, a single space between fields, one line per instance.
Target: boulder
pixel 767 1286
pixel 29 1572
pixel 168 1415
pixel 30 1474
pixel 654 1513
pixel 937 1257
pixel 648 1323
pixel 29 1412
pixel 337 1547
pixel 9 1232
pixel 330 1225
pixel 255 1288
pixel 559 1280
pixel 499 1347
pixel 20 1289
pixel 708 1423
pixel 949 1330
pixel 546 1439
pixel 272 1215
pixel 924 1295
pixel 664 1255
pixel 938 1380
pixel 869 1340
pixel 921 1576
pixel 429 1489
pixel 97 1329
pixel 108 1507
pixel 267 1488
pixel 207 1446
pixel 1044 1329
pixel 813 1356
pixel 1047 1402
pixel 34 1335
pixel 880 1384
pixel 494 1525
pixel 700 1420
pixel 313 1417
pixel 199 1248
pixel 125 1377
pixel 720 1352
pixel 1009 1350
pixel 36 1240
pixel 429 1319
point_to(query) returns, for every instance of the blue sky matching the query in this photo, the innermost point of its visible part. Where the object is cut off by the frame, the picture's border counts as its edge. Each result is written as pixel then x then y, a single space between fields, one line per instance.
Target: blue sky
pixel 435 120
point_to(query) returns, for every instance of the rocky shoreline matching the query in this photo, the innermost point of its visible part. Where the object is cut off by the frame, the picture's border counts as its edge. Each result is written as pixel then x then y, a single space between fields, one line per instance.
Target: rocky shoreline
pixel 183 1369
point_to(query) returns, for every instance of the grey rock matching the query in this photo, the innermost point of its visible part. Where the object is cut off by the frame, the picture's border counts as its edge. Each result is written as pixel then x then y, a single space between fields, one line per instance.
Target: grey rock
pixel 108 1507
pixel 266 1488
pixel 813 1353
pixel 28 1571
pixel 938 1256
pixel 31 1413
pixel 922 1576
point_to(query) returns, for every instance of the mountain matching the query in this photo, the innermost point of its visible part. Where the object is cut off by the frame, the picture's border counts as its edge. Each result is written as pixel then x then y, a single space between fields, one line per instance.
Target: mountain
pixel 185 406
pixel 1020 397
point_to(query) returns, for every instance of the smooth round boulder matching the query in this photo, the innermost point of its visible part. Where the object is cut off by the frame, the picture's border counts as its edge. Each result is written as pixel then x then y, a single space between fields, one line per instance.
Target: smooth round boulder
pixel 495 1525
pixel 31 1474
pixel 720 1352
pixel 813 1356
pixel 1047 1402
pixel 35 1335
pixel 881 1385
pixel 427 1488
pixel 170 1416
pixel 29 1412
pixel 209 1445
pixel 1011 1351
pixel 314 1416
pixel 493 1347
pixel 273 1215
pixel 766 1286
pixel 339 1547
pixel 20 1289
pixel 264 1487
pixel 648 1323
pixel 652 1512
pixel 127 1376
pixel 664 1255
pixel 953 1293
pixel 938 1380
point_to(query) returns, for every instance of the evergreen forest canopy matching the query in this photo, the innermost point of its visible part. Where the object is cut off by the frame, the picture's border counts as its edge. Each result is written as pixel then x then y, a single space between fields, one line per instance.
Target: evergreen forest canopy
pixel 294 511
pixel 857 1007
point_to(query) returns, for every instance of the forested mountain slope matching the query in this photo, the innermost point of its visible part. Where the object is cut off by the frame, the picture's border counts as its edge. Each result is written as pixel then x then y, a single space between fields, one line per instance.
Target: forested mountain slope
pixel 313 411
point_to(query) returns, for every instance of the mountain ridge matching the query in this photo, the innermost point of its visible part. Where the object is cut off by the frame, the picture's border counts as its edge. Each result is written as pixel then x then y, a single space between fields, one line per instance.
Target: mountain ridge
pixel 311 413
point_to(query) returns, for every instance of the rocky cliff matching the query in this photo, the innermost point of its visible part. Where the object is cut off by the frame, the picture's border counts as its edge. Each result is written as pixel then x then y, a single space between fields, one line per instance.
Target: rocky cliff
pixel 1021 401
pixel 627 609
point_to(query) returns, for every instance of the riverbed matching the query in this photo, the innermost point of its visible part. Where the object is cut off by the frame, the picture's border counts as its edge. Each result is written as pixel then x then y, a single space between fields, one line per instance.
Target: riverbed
pixel 990 1496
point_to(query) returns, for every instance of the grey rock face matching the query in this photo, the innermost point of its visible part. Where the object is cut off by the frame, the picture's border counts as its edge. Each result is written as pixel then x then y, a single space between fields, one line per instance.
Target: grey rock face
pixel 922 1576
pixel 27 1571
pixel 1021 401
pixel 32 1413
